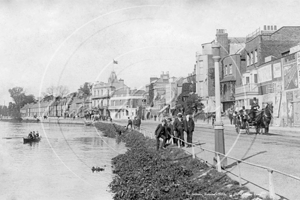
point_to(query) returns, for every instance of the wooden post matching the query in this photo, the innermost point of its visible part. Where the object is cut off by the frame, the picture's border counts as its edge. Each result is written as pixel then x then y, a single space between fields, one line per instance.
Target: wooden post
pixel 271 185
pixel 240 177
pixel 193 151
pixel 218 163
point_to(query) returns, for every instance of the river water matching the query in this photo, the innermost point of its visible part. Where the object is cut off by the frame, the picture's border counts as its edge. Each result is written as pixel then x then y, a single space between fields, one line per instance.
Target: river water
pixel 57 167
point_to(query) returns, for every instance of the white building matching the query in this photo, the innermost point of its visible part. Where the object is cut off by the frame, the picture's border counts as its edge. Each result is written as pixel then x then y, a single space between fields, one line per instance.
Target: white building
pixel 126 103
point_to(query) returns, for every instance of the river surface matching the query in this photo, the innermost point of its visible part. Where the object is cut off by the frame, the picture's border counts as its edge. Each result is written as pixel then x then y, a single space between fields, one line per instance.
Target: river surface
pixel 57 167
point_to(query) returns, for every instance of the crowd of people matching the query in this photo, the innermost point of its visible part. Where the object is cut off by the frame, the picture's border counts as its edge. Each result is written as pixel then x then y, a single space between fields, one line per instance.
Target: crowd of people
pixel 167 131
pixel 135 123
pixel 33 135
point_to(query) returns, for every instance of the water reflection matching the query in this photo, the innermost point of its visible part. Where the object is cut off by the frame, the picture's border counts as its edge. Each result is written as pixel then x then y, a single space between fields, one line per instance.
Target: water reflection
pixel 57 167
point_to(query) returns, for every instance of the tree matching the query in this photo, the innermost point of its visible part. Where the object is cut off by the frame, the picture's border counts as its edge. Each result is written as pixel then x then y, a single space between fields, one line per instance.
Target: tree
pixel 84 90
pixel 56 91
pixel 193 104
pixel 4 111
pixel 20 99
pixel 189 104
pixel 17 94
pixel 48 98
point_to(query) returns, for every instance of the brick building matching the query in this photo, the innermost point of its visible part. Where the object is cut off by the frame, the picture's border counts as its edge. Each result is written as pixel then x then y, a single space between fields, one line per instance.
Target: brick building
pixel 232 65
pixel 263 46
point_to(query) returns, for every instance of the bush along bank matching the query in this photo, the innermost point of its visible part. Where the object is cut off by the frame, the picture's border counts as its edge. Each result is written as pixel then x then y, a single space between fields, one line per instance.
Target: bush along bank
pixel 144 173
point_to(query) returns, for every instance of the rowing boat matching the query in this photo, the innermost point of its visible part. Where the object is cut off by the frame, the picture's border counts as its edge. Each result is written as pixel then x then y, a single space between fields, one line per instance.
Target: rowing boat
pixel 36 139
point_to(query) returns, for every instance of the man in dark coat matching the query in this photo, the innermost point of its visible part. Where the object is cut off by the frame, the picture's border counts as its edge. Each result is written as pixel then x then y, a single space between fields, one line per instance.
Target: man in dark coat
pixel 254 109
pixel 161 132
pixel 170 129
pixel 134 123
pixel 129 123
pixel 138 123
pixel 189 127
pixel 179 128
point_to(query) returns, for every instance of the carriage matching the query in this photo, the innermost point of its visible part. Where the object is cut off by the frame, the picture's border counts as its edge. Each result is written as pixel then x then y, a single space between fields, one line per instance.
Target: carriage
pixel 247 121
pixel 244 123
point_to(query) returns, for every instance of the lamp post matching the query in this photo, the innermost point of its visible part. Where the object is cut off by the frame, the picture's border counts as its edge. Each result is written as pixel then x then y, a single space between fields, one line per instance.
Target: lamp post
pixel 219 128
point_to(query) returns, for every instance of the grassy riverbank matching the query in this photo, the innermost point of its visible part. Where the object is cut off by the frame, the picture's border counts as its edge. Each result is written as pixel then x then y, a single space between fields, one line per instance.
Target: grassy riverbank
pixel 144 173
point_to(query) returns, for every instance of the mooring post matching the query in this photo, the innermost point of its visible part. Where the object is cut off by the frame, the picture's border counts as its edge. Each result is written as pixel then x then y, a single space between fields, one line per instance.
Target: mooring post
pixel 193 151
pixel 240 177
pixel 218 163
pixel 271 185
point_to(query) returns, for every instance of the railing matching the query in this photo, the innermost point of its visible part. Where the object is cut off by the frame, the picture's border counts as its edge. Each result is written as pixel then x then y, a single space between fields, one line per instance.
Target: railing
pixel 238 161
pixel 246 88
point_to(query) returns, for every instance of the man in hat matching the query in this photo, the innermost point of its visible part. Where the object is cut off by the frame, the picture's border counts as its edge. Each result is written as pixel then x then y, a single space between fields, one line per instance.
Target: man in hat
pixel 161 132
pixel 189 127
pixel 254 108
pixel 243 111
pixel 170 129
pixel 179 128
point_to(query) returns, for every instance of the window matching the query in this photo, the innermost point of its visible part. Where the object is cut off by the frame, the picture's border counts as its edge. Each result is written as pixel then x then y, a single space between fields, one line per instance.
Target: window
pixel 248 59
pixel 247 80
pixel 270 88
pixel 225 72
pixel 255 78
pixel 251 58
pixel 230 69
pixel 255 56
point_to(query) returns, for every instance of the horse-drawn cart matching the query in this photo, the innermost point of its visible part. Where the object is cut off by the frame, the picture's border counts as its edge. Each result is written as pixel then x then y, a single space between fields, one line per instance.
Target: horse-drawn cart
pixel 261 120
pixel 245 126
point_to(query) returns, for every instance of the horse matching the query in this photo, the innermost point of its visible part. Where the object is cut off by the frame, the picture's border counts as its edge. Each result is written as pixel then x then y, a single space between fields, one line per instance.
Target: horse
pixel 263 119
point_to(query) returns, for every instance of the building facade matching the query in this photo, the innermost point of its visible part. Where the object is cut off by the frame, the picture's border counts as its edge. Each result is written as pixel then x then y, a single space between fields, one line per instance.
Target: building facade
pixel 126 103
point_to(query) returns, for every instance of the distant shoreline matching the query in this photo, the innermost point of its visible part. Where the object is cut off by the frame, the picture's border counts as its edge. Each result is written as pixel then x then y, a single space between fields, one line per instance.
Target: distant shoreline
pixel 49 120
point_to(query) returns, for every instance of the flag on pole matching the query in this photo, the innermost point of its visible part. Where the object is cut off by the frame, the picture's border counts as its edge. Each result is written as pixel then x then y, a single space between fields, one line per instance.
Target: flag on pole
pixel 115 62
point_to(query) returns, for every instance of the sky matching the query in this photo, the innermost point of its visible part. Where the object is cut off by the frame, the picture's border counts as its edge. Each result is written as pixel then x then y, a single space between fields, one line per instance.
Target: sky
pixel 47 43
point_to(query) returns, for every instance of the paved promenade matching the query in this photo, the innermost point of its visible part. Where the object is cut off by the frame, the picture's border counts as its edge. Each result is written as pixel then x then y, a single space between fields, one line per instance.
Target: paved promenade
pixel 278 150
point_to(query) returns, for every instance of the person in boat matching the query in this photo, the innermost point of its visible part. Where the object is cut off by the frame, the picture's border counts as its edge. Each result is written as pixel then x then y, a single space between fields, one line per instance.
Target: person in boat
pixel 30 135
pixel 37 134
pixel 33 134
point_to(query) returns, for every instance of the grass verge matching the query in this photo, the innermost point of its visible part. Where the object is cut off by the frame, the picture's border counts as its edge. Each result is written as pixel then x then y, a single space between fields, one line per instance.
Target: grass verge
pixel 144 173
